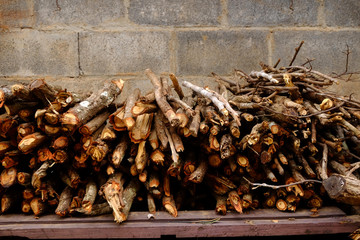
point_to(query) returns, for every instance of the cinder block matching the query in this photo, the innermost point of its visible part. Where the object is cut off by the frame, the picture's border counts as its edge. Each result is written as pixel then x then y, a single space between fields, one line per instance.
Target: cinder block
pixel 344 13
pixel 203 52
pixel 33 53
pixel 16 13
pixel 78 12
pixel 345 88
pixel 327 48
pixel 175 12
pixel 272 13
pixel 118 52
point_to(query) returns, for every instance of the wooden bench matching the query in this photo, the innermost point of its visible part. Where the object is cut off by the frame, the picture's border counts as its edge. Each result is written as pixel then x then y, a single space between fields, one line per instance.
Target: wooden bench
pixel 262 222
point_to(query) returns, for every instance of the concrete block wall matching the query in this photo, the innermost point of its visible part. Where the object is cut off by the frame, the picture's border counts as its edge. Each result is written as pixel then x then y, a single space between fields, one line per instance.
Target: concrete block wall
pixel 79 43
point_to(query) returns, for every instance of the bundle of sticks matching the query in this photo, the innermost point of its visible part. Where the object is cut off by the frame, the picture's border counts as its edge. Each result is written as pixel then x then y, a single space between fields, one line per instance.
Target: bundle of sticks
pixel 272 138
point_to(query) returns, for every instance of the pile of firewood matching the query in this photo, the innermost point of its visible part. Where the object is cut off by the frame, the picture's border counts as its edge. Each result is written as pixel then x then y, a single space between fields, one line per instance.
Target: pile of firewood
pixel 276 140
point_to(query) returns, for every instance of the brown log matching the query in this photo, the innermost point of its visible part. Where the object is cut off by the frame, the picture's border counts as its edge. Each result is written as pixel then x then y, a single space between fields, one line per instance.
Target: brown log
pixel 6 95
pixel 204 127
pixel 343 189
pixel 96 210
pixel 26 114
pixel 148 97
pixel 309 172
pixel 8 127
pixel 98 150
pixel 28 194
pixel 112 191
pixel 215 160
pixel 141 159
pixel 43 91
pixel 166 185
pixel 242 160
pixel 198 175
pixel 220 204
pixel 176 85
pixel 226 146
pixel 175 168
pixel 315 202
pixel 143 176
pixel 24 178
pixel 90 196
pixel 169 205
pixel 154 181
pixel 265 157
pixel 153 139
pixel 108 133
pixel 25 129
pixel 142 128
pixel 157 157
pixel 60 142
pixel 296 189
pixel 130 103
pixel 8 201
pixel 8 177
pixel 292 202
pixel 195 123
pixel 214 143
pixel 85 110
pixel 14 108
pixel 183 118
pixel 161 100
pixel 64 202
pixel 44 154
pixel 269 174
pixel 141 108
pixel 178 144
pixel 235 201
pixel 116 119
pixel 51 118
pixel 247 201
pixel 283 158
pixel 189 166
pixel 119 151
pixel 25 206
pixel 37 206
pixel 39 174
pixel 278 166
pixel 281 205
pixel 129 195
pixel 151 204
pixel 90 127
pixel 220 185
pixel 340 168
pixel 10 161
pixel 159 125
pixel 215 129
pixel 29 142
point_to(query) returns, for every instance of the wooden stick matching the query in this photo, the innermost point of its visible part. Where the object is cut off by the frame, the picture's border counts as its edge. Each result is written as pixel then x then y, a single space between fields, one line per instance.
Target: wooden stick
pixel 170 206
pixel 176 85
pixel 8 177
pixel 220 105
pixel 90 196
pixel 29 142
pixel 64 202
pixel 85 110
pixel 119 152
pixel 90 127
pixel 129 195
pixel 161 100
pixel 130 103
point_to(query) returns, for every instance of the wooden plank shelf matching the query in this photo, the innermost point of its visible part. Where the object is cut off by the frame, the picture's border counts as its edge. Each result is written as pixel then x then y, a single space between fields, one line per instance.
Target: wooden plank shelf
pixel 262 222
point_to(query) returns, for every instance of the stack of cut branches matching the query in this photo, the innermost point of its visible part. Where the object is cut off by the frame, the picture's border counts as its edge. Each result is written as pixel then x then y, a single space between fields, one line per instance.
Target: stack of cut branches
pixel 278 140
